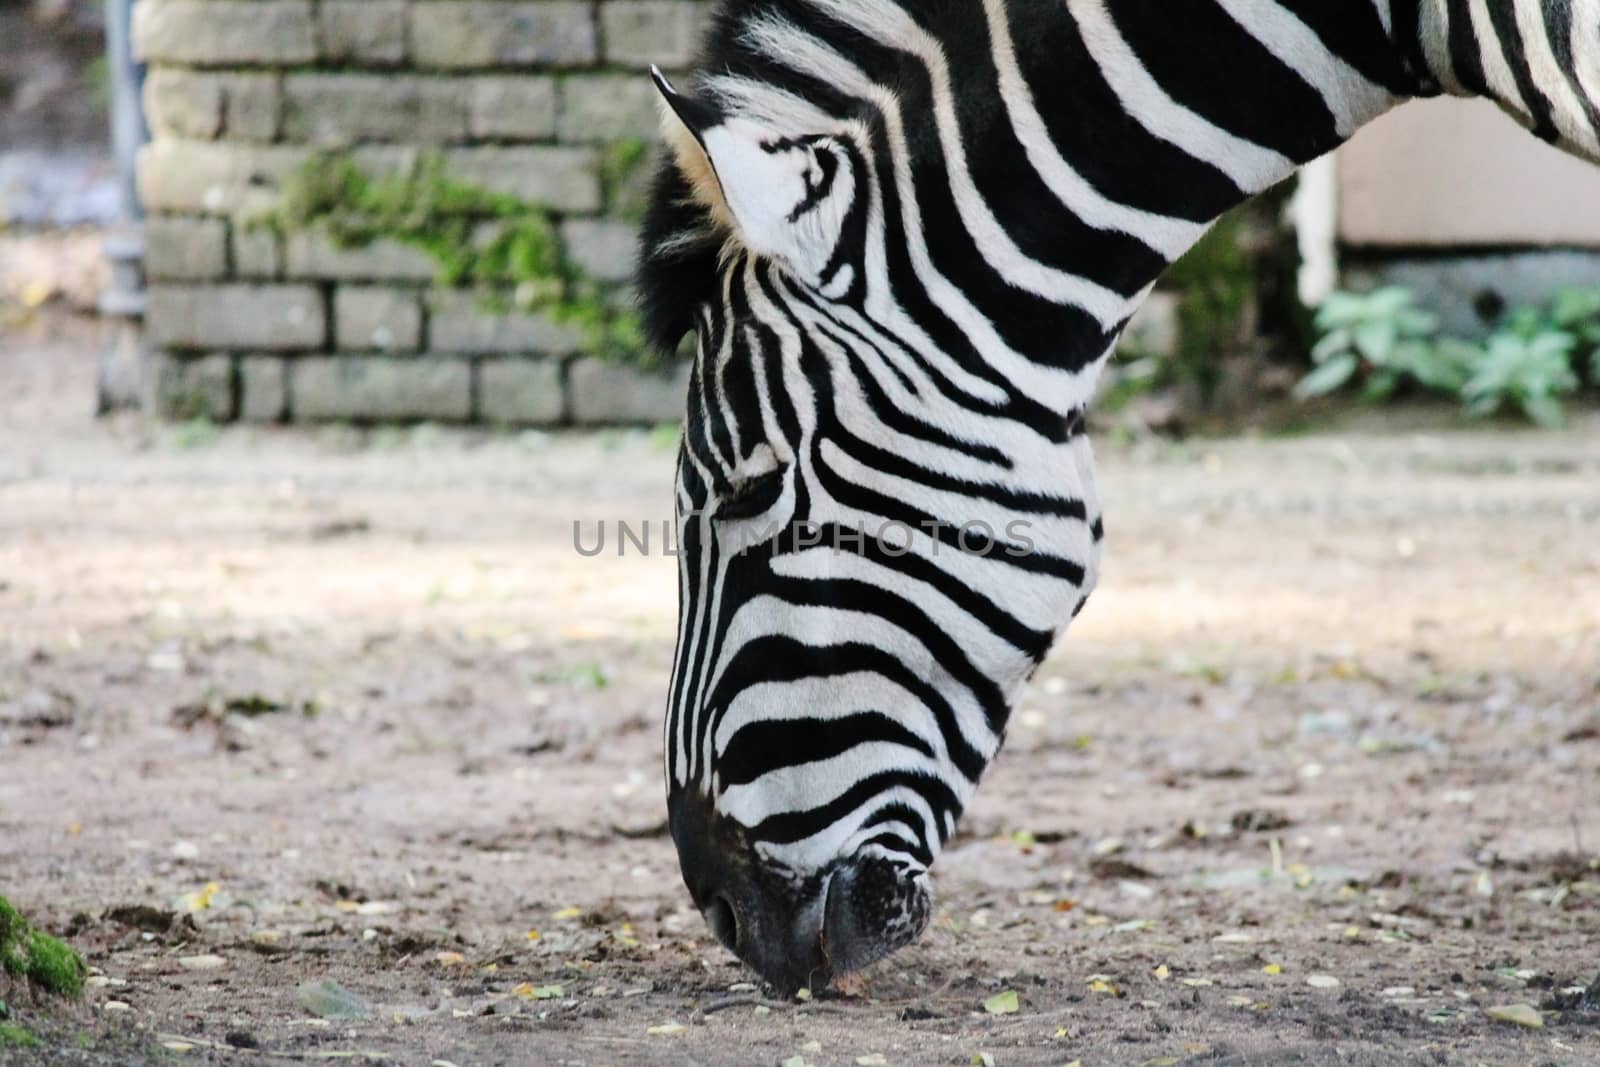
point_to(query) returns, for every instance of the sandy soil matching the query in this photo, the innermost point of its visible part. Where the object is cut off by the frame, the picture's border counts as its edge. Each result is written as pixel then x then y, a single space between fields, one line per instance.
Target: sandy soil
pixel 1313 781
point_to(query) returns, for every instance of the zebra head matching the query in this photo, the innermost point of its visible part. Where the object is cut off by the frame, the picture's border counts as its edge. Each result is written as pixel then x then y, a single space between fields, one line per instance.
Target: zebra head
pixel 878 540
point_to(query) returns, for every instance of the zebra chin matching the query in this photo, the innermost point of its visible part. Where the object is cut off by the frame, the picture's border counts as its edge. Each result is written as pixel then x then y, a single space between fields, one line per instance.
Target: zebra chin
pixel 797 930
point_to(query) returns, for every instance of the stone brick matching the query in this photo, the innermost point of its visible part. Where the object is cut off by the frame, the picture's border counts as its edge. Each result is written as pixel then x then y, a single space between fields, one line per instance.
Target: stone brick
pixel 263 388
pixel 460 323
pixel 313 255
pixel 335 110
pixel 215 179
pixel 362 31
pixel 271 317
pixel 256 252
pixel 385 320
pixel 185 249
pixel 605 107
pixel 223 32
pixel 458 34
pixel 513 108
pixel 564 179
pixel 603 249
pixel 520 391
pixel 642 32
pixel 252 106
pixel 192 388
pixel 606 392
pixel 180 103
pixel 373 388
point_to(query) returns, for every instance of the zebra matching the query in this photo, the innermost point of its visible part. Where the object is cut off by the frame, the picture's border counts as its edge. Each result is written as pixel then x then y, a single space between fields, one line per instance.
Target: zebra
pixel 905 236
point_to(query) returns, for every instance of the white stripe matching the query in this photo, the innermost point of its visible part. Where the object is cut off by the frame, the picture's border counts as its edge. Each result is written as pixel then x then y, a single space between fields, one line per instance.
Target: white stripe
pixel 822 699
pixel 800 51
pixel 1252 167
pixel 1502 82
pixel 1586 46
pixel 1169 236
pixel 1570 117
pixel 1350 96
pixel 891 26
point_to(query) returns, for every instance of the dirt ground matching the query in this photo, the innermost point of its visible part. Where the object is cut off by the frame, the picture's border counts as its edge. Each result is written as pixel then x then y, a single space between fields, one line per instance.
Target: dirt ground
pixel 1314 779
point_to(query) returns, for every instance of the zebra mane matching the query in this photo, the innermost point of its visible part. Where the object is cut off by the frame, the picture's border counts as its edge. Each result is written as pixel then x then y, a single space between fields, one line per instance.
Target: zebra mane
pixel 678 257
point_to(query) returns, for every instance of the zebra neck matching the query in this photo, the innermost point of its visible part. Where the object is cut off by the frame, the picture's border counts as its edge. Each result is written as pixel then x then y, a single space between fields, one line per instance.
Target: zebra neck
pixel 1538 59
pixel 1037 164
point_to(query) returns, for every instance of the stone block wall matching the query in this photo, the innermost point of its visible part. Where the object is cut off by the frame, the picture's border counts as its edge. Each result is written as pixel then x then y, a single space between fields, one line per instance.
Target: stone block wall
pixel 524 97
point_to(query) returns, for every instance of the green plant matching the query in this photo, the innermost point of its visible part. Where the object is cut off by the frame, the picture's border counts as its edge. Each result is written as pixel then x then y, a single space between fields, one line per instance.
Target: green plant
pixel 478 238
pixel 1387 332
pixel 1577 311
pixel 1531 372
pixel 14 1036
pixel 1383 338
pixel 1216 278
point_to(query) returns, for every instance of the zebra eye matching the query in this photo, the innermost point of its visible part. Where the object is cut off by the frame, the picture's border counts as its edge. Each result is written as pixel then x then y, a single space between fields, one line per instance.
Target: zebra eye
pixel 753 497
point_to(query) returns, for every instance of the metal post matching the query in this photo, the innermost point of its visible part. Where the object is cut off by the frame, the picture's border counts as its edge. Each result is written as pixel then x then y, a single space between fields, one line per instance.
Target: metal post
pixel 122 361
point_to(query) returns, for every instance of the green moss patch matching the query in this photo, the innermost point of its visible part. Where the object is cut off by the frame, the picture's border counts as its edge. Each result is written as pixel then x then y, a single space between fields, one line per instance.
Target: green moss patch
pixel 14 1036
pixel 478 238
pixel 47 962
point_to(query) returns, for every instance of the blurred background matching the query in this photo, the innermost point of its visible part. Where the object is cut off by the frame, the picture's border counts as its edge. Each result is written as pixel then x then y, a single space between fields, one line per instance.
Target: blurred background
pixel 319 735
pixel 302 200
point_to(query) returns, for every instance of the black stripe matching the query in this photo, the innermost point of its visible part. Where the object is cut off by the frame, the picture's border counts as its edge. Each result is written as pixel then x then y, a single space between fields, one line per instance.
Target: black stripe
pixel 1504 20
pixel 1465 54
pixel 758 748
pixel 1355 34
pixel 1558 29
pixel 789 827
pixel 1085 118
pixel 1031 215
pixel 778 659
pixel 1219 71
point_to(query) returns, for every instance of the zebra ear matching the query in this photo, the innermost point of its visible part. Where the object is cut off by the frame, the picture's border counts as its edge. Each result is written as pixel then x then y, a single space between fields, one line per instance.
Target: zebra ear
pixel 775 191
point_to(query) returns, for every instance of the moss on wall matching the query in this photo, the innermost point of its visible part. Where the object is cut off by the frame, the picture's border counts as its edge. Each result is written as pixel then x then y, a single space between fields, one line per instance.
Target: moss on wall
pixel 481 239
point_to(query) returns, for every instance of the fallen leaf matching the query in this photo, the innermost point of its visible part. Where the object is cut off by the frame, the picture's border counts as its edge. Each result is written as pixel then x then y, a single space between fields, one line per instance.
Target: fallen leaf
pixel 533 935
pixel 1521 1014
pixel 1163 972
pixel 982 1059
pixel 201 899
pixel 1322 981
pixel 450 959
pixel 567 913
pixel 666 1029
pixel 1272 968
pixel 1002 1003
pixel 529 991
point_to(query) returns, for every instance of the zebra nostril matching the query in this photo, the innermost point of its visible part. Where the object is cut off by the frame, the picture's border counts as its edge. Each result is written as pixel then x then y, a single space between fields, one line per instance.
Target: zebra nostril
pixel 724 922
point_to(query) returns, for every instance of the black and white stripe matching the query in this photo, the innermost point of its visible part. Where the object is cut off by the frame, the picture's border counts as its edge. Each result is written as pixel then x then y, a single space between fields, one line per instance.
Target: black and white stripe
pixel 917 230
